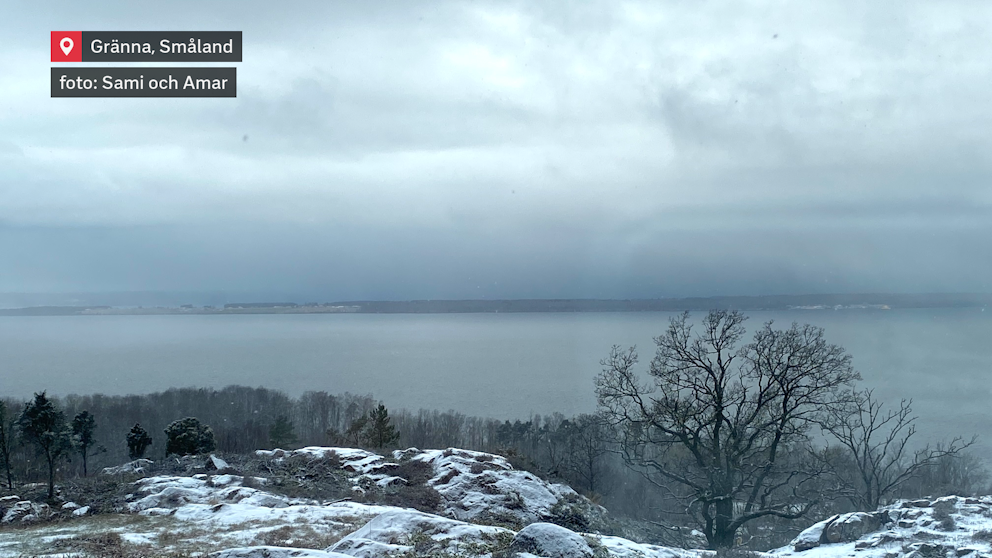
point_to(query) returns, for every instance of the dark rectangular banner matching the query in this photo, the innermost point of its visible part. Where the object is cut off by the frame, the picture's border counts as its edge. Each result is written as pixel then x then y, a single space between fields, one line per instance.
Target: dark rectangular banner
pixel 146 46
pixel 144 82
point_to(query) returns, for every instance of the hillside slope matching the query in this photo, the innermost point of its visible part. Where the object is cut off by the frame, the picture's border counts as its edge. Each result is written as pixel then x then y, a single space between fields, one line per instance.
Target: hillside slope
pixel 473 504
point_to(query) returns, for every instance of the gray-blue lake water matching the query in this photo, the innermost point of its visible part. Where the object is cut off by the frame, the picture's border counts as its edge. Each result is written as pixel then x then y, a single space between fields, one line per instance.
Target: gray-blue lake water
pixel 497 365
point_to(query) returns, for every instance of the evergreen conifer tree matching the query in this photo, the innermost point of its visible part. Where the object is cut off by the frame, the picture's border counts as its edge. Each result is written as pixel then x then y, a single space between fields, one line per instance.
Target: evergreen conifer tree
pixel 138 441
pixel 282 434
pixel 6 443
pixel 83 428
pixel 380 432
pixel 43 425
pixel 188 437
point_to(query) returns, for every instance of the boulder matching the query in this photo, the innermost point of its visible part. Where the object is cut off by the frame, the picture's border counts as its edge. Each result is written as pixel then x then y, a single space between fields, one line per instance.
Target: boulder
pixel 810 537
pixel 551 541
pixel 216 463
pixel 26 511
pixel 916 504
pixel 851 526
pixel 7 502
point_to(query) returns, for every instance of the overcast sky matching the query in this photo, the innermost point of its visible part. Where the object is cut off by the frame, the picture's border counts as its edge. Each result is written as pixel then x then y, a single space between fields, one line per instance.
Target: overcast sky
pixel 472 149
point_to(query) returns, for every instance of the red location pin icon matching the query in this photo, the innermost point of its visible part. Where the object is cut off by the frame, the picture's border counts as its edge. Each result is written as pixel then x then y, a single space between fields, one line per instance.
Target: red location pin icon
pixel 67 46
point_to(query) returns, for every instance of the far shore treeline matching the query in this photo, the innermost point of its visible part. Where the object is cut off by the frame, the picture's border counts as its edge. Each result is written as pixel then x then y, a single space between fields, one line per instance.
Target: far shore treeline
pixel 113 304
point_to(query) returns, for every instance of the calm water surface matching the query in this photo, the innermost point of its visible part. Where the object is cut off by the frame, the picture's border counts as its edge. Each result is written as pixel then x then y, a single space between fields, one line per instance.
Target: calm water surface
pixel 498 365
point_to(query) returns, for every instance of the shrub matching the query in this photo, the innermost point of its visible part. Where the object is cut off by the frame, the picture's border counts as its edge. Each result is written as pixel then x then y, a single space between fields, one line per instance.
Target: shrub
pixel 415 472
pixel 419 497
pixel 138 441
pixel 943 516
pixel 188 437
pixel 983 535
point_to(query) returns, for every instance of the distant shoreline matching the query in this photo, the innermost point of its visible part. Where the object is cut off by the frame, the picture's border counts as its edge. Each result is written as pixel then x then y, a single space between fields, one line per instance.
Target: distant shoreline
pixel 746 303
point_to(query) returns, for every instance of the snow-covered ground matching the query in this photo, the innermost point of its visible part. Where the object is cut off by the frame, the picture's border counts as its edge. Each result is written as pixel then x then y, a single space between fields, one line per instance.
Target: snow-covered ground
pixel 488 509
pixel 951 527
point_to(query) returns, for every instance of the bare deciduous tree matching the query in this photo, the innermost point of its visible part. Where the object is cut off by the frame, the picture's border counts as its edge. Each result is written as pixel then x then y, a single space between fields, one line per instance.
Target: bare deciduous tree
pixel 719 420
pixel 877 441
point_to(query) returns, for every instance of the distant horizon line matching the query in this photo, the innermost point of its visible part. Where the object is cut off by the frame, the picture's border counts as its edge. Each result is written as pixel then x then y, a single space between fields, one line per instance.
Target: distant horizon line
pixel 838 301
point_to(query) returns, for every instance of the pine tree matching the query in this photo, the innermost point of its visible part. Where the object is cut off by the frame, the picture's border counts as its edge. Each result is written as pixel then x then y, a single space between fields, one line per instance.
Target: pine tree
pixel 282 433
pixel 44 425
pixel 6 443
pixel 380 432
pixel 356 432
pixel 138 441
pixel 188 437
pixel 83 428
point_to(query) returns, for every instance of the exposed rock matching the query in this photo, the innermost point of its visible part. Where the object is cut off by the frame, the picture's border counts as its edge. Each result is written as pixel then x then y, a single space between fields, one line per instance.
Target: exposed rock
pixel 216 463
pixel 275 552
pixel 930 550
pixel 473 485
pixel 483 486
pixel 402 530
pixel 810 537
pixel 81 511
pixel 916 504
pixel 846 527
pixel 137 466
pixel 26 512
pixel 551 541
pixel 851 526
pixel 351 459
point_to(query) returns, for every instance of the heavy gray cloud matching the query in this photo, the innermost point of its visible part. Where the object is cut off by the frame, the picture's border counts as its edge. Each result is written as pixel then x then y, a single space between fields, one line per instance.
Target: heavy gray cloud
pixel 447 150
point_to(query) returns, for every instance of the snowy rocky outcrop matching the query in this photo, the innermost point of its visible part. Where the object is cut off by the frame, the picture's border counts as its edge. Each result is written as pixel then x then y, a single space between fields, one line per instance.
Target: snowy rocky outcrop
pixel 223 499
pixel 487 509
pixel 550 540
pixel 24 511
pixel 137 466
pixel 404 533
pixel 15 510
pixel 477 485
pixel 275 552
pixel 948 527
pixel 371 469
pixel 401 530
pixel 165 494
pixel 473 485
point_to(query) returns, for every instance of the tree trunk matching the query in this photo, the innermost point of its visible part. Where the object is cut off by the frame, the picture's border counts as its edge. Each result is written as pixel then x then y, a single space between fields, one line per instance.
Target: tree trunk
pixel 51 477
pixel 723 535
pixel 84 462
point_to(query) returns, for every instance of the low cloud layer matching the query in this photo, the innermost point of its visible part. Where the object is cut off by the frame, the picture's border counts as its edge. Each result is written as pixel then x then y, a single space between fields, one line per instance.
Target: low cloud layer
pixel 451 150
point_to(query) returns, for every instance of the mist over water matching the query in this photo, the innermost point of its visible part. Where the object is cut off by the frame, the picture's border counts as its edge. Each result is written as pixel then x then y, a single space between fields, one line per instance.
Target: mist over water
pixel 494 365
